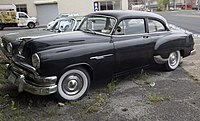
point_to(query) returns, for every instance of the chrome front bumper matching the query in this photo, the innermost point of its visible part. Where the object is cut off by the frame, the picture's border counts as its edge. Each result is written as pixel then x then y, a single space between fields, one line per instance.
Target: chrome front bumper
pixel 20 80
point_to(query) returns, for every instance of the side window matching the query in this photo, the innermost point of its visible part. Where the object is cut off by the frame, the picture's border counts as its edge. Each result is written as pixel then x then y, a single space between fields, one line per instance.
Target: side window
pixel 130 26
pixel 21 15
pixel 155 26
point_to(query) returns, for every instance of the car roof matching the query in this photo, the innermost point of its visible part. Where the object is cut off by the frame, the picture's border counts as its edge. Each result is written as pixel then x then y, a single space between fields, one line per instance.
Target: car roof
pixel 120 14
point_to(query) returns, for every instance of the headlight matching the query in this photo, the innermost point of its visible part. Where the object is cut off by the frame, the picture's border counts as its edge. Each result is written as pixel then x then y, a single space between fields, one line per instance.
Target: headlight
pixel 9 47
pixel 36 60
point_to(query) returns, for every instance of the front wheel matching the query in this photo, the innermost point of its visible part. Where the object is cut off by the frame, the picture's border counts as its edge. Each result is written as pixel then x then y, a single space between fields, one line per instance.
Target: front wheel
pixel 73 85
pixel 31 25
pixel 173 61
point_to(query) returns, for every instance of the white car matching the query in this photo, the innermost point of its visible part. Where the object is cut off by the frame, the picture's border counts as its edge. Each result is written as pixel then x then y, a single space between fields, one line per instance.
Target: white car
pixel 64 24
pixel 60 16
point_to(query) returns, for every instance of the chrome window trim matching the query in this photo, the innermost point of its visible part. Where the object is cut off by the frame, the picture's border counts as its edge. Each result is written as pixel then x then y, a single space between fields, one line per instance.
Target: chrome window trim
pixel 100 32
pixel 130 35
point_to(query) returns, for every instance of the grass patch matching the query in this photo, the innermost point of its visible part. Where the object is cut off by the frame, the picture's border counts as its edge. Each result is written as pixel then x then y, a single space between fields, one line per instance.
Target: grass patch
pixel 96 106
pixel 73 103
pixel 153 98
pixel 111 87
pixel 193 77
pixel 148 82
pixel 53 110
pixel 142 75
pixel 13 106
pixel 2 73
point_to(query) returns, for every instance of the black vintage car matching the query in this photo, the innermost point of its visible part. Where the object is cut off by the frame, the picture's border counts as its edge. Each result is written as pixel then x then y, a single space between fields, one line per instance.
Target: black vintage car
pixel 105 44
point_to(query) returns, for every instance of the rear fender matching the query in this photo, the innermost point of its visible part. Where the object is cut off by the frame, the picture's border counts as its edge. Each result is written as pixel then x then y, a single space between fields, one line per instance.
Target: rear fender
pixel 164 46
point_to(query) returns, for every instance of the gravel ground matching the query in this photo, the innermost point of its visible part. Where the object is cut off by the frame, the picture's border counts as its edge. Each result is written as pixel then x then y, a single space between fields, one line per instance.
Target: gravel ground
pixel 175 96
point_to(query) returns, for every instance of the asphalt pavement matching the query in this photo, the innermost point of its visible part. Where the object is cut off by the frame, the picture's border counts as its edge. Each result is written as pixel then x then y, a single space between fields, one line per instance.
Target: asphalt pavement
pixel 188 20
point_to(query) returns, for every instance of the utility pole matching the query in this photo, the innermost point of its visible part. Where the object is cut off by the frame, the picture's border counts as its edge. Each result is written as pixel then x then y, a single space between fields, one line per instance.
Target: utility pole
pixel 198 4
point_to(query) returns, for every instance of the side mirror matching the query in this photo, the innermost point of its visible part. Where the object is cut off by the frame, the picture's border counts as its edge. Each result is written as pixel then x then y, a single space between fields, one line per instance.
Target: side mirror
pixel 118 29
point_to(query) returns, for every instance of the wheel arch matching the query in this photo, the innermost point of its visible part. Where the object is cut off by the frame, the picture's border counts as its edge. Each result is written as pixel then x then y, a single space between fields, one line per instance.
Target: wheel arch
pixel 86 66
pixel 30 22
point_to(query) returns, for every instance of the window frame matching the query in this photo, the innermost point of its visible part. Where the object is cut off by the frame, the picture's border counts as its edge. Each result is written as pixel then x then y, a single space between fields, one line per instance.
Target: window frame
pixel 24 15
pixel 113 29
pixel 145 26
pixel 156 19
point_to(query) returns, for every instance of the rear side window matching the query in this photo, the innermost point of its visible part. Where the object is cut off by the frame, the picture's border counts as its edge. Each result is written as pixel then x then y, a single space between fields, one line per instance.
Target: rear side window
pixel 155 26
pixel 130 26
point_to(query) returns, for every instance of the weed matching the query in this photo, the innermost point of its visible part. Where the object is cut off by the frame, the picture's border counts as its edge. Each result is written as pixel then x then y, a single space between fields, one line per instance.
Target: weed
pixel 111 86
pixel 142 75
pixel 148 82
pixel 74 103
pixel 13 107
pixel 2 73
pixel 154 99
pixel 52 111
pixel 193 77
pixel 96 105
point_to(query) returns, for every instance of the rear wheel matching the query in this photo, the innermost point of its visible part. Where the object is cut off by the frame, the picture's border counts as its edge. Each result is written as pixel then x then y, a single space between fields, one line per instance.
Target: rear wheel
pixel 31 25
pixel 73 84
pixel 173 61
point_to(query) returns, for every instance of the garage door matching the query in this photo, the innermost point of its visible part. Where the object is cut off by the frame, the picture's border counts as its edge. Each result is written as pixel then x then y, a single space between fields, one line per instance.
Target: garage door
pixel 46 13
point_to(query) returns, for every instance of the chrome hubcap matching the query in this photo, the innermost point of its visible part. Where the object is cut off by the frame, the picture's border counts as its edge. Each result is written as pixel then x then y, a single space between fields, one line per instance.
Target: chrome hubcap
pixel 72 84
pixel 173 59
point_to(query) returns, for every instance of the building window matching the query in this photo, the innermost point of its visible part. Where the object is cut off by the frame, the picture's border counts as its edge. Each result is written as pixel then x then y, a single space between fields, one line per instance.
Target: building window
pixel 21 8
pixel 132 3
pixel 110 5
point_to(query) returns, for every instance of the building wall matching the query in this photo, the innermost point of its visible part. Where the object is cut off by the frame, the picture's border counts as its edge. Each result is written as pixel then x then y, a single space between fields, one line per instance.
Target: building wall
pixel 76 6
pixel 82 7
pixel 64 6
pixel 31 8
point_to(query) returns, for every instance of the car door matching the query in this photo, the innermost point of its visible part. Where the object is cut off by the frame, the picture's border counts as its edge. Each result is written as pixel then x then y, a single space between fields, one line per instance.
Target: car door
pixel 157 29
pixel 133 46
pixel 22 19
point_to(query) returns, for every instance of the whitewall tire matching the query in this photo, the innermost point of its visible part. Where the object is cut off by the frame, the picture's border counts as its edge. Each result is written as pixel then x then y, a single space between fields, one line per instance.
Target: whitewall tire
pixel 73 84
pixel 173 60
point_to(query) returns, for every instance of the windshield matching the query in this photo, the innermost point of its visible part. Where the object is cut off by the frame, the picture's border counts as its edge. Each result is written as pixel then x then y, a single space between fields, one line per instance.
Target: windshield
pixel 100 24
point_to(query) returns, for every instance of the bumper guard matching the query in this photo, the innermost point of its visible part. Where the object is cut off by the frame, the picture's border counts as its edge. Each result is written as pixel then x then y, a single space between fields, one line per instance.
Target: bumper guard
pixel 22 83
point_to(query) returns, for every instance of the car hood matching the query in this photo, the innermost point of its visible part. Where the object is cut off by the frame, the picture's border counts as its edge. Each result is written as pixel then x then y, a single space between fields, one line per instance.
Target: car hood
pixel 11 37
pixel 63 40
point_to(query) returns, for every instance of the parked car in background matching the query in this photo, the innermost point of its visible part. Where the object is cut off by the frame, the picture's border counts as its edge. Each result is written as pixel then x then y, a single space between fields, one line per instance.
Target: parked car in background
pixel 60 16
pixel 106 44
pixel 65 24
pixel 186 6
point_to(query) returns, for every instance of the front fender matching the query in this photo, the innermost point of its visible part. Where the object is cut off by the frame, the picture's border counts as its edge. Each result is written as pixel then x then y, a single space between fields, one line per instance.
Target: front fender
pixel 58 60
